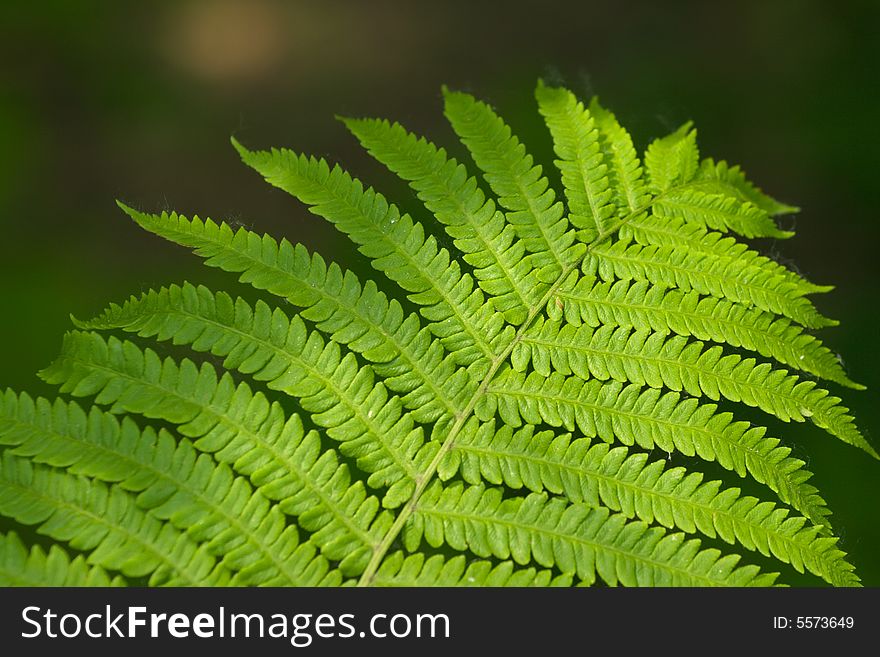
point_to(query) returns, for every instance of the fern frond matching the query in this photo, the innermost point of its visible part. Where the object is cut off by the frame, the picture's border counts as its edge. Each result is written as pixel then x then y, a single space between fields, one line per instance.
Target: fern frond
pixel 642 306
pixel 37 567
pixel 532 209
pixel 172 481
pixel 647 417
pixel 646 358
pixel 361 317
pixel 673 160
pixel 581 161
pixel 478 229
pixel 240 428
pixel 356 442
pixel 105 520
pixel 399 569
pixel 396 245
pixel 599 475
pixel 571 537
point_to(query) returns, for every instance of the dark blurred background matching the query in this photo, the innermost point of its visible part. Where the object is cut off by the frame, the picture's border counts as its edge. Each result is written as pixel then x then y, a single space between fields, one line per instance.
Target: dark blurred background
pixel 137 100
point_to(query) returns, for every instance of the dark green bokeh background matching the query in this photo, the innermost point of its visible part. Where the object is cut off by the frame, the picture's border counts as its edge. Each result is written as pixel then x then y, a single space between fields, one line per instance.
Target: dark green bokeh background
pixel 106 100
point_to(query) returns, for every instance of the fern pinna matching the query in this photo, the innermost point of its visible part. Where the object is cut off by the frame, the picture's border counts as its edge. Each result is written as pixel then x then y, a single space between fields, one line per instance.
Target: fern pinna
pixel 503 415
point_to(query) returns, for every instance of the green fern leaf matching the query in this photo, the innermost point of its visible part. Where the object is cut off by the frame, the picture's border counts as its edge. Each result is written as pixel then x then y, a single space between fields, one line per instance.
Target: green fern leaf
pixel 718 212
pixel 673 267
pixel 393 431
pixel 625 169
pixel 737 258
pixel 537 218
pixel 643 306
pixel 581 161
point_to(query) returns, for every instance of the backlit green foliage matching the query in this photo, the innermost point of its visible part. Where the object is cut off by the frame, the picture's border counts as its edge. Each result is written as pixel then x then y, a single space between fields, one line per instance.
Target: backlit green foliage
pixel 499 411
